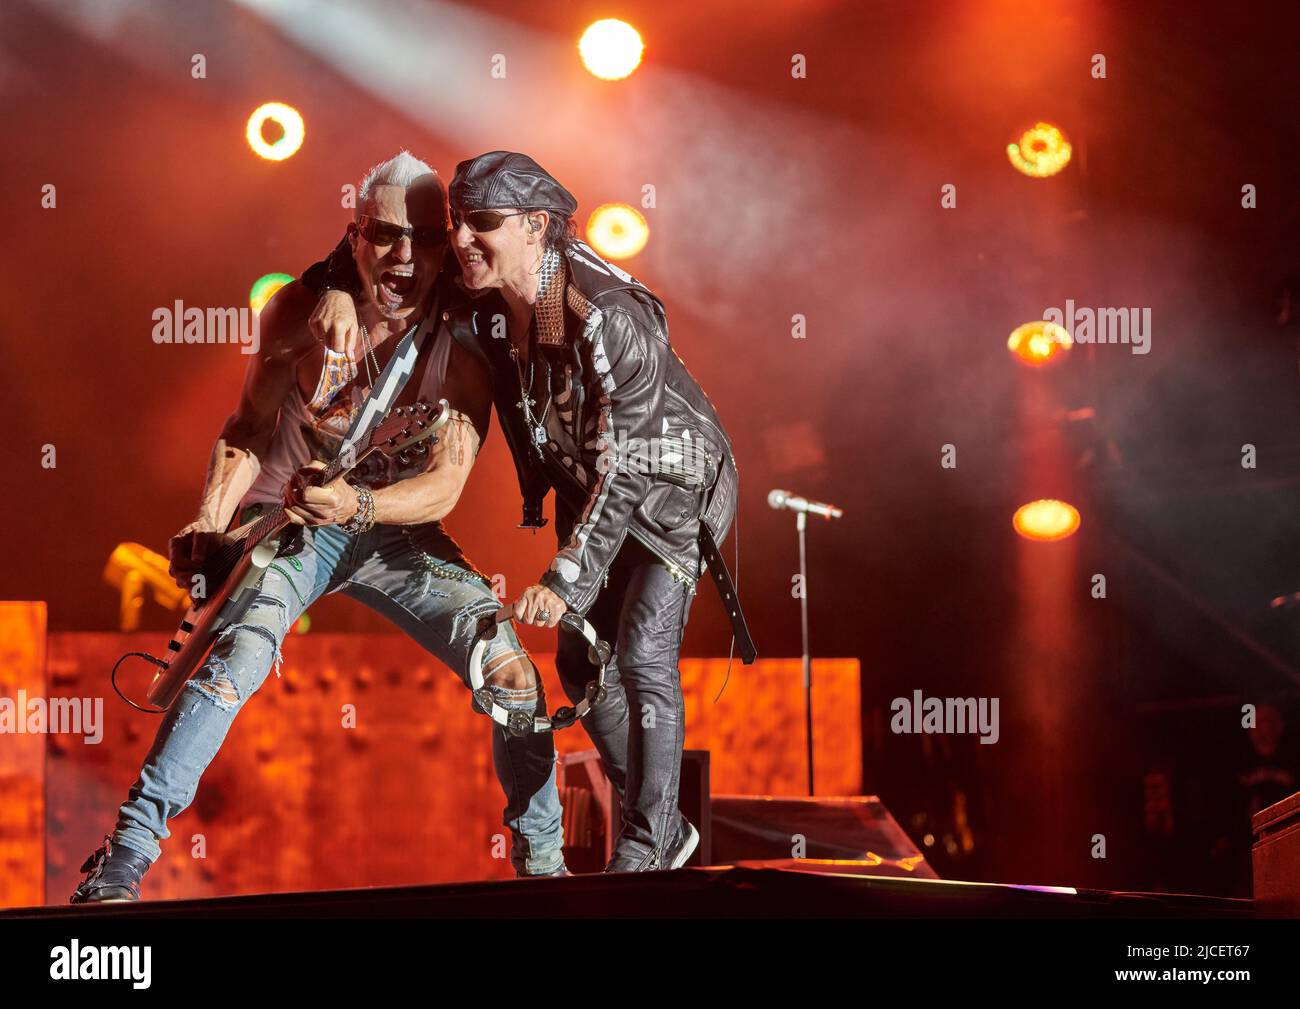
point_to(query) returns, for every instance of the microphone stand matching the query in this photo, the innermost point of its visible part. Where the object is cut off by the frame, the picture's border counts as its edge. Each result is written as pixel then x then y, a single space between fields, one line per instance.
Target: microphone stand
pixel 801 507
pixel 801 523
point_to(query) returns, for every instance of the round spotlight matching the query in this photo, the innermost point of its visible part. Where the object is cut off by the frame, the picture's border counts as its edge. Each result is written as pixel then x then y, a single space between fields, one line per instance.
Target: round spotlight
pixel 1046 520
pixel 263 288
pixel 275 131
pixel 611 49
pixel 1038 342
pixel 617 231
pixel 1043 150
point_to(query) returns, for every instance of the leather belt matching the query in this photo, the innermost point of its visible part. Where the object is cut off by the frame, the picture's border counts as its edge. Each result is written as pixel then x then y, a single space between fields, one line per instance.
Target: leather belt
pixel 722 579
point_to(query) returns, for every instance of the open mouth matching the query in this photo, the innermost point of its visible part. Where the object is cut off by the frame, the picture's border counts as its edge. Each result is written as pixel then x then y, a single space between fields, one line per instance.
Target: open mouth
pixel 395 285
pixel 473 261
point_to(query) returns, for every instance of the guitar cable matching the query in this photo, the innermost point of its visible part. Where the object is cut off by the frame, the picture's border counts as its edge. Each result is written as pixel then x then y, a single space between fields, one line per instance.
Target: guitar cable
pixel 112 678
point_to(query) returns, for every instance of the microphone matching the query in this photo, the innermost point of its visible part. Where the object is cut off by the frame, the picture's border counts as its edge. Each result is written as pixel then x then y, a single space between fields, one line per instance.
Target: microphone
pixel 779 499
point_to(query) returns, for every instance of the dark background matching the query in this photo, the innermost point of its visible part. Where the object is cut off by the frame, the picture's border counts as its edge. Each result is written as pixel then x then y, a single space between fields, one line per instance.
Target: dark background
pixel 1120 716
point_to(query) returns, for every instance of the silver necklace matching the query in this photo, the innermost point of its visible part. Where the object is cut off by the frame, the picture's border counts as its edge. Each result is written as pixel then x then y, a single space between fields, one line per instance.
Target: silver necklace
pixel 536 423
pixel 548 313
pixel 370 358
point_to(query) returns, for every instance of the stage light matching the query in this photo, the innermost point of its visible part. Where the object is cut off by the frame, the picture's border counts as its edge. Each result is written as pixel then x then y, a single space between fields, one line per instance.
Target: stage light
pixel 617 231
pixel 263 288
pixel 290 127
pixel 611 49
pixel 1046 520
pixel 1043 150
pixel 136 570
pixel 1038 342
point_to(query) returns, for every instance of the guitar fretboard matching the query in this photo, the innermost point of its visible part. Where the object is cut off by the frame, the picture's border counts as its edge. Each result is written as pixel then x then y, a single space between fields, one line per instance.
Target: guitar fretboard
pixel 269 524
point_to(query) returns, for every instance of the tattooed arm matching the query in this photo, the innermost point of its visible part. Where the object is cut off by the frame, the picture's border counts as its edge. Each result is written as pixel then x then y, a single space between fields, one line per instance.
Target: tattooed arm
pixel 434 493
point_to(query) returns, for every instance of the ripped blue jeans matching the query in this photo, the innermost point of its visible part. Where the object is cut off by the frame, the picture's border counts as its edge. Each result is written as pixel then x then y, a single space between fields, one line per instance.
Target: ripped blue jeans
pixel 416 577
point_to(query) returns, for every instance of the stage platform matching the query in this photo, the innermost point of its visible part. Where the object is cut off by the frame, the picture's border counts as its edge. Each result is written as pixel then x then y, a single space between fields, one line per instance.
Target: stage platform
pixel 790 888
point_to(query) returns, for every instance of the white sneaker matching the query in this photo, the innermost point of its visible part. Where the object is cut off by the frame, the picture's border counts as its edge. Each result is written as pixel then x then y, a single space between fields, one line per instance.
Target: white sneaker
pixel 689 840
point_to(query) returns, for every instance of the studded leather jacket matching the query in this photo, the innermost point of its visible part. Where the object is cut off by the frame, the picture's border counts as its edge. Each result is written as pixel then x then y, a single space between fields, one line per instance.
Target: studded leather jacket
pixel 607 414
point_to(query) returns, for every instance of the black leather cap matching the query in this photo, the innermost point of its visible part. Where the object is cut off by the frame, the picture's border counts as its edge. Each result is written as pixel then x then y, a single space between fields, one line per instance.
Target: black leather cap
pixel 506 179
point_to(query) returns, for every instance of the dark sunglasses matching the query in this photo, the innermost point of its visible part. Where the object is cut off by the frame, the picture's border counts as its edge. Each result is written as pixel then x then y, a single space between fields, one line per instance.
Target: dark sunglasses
pixel 386 233
pixel 481 220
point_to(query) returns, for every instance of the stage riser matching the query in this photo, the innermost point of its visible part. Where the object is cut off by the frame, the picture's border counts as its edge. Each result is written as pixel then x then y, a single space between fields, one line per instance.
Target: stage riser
pixel 294 801
pixel 1276 859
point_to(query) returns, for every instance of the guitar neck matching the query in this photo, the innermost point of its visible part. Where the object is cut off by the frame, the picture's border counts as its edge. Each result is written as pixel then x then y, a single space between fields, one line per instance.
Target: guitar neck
pixel 275 520
pixel 396 436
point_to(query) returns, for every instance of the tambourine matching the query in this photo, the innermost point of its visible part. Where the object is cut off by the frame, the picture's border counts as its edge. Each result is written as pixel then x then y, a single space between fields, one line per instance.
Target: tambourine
pixel 520 723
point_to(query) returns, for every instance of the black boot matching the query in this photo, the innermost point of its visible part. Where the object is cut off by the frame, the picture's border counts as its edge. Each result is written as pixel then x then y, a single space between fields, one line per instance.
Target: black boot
pixel 114 875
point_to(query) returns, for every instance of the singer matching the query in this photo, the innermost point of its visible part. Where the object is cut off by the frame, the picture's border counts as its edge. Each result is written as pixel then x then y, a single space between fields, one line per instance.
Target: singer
pixel 595 404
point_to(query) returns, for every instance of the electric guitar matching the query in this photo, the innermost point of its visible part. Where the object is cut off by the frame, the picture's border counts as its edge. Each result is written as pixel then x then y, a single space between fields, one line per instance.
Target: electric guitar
pixel 231 574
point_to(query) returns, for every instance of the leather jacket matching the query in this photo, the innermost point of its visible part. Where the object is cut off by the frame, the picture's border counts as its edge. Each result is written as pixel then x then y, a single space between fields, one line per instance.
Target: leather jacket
pixel 619 427
pixel 628 439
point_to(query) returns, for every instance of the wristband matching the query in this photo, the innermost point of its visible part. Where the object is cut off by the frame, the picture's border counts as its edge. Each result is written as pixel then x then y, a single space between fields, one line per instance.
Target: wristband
pixel 364 519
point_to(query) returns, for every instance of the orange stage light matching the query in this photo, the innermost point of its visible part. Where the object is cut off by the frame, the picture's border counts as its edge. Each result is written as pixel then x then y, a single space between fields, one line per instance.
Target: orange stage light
pixel 1043 150
pixel 611 49
pixel 136 571
pixel 1038 342
pixel 1046 520
pixel 290 127
pixel 617 231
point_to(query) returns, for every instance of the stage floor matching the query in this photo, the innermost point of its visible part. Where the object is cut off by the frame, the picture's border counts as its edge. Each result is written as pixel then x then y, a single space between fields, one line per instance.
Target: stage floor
pixel 803 888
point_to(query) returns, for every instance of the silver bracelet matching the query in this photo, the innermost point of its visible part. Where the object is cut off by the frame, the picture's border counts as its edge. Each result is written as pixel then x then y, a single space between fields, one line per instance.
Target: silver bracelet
pixel 364 519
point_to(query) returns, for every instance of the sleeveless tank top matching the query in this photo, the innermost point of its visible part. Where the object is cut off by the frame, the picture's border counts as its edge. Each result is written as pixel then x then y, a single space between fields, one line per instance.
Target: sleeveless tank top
pixel 303 434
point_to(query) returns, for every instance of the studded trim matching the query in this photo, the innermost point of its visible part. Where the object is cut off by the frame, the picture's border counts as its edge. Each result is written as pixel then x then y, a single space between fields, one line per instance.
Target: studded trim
pixel 549 309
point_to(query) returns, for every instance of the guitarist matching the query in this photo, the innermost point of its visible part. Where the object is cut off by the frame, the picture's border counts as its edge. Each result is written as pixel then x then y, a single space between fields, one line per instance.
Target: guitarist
pixel 377 537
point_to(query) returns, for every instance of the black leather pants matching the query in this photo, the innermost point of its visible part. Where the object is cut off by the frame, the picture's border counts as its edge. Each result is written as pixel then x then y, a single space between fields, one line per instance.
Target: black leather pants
pixel 639 728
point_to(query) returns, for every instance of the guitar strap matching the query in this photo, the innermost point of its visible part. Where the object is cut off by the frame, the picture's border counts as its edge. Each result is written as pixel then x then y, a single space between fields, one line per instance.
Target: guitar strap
pixel 382 396
pixel 389 385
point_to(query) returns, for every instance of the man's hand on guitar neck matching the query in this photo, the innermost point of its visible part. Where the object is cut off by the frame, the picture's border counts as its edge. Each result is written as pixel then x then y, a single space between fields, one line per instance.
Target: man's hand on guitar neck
pixel 332 504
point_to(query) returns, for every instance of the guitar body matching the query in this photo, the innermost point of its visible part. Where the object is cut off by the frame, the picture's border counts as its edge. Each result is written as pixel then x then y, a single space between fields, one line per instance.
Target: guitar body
pixel 205 620
pixel 232 584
